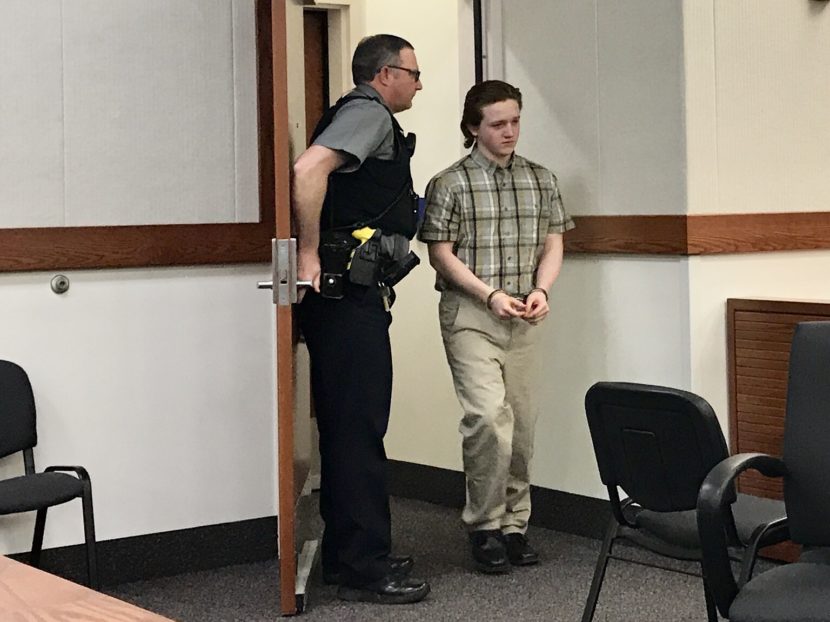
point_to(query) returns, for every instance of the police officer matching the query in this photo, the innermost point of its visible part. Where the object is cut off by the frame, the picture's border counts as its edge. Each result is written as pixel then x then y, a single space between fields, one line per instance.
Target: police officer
pixel 356 174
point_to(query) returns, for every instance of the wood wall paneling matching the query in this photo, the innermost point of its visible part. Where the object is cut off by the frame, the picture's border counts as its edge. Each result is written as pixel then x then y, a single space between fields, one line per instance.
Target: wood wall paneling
pixel 700 234
pixel 757 233
pixel 648 235
pixel 167 245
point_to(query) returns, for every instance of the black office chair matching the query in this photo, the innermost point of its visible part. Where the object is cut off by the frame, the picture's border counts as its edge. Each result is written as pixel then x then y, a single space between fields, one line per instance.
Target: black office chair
pixel 657 444
pixel 37 491
pixel 793 592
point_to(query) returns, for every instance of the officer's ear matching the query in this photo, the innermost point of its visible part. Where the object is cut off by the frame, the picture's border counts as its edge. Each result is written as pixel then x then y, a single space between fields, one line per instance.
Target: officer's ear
pixel 383 75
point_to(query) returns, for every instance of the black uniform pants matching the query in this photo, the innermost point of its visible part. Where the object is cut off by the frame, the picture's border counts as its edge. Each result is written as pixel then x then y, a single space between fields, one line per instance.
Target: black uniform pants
pixel 351 382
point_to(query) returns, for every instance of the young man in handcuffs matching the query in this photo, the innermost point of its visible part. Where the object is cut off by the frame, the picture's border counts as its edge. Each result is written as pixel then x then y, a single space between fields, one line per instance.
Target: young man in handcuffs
pixel 494 223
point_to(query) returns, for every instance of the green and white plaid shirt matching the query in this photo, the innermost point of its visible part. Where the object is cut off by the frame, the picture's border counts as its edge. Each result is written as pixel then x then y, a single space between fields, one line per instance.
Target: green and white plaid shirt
pixel 497 218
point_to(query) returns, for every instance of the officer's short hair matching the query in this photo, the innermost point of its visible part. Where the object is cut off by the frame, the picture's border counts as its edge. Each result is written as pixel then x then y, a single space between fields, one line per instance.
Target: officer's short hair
pixel 373 52
pixel 481 95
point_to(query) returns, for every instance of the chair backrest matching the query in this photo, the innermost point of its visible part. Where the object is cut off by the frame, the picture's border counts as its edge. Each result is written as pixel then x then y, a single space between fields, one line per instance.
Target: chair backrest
pixel 17 410
pixel 807 435
pixel 656 443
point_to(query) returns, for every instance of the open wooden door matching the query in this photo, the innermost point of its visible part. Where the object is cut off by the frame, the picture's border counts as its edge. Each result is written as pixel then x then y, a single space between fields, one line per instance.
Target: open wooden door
pixel 293 424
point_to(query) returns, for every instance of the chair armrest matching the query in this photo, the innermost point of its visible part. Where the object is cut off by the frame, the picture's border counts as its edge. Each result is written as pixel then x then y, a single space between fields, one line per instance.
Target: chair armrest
pixel 79 471
pixel 773 532
pixel 712 505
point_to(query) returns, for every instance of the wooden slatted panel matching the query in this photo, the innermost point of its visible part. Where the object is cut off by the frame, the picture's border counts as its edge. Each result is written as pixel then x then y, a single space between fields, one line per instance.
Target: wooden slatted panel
pixel 760 332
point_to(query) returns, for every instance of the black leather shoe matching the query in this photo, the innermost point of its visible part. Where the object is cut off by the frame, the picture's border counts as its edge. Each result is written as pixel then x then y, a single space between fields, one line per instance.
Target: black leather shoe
pixel 391 590
pixel 399 565
pixel 519 551
pixel 489 551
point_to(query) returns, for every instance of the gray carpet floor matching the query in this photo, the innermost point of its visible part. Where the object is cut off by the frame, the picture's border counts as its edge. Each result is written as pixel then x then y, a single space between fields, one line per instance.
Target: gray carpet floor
pixel 554 590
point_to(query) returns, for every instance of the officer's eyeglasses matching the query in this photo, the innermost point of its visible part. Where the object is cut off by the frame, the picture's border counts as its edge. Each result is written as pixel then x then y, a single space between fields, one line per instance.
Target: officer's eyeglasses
pixel 415 73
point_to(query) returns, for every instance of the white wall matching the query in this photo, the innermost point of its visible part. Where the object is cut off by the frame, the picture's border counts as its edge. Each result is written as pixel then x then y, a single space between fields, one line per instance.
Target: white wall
pixel 757 105
pixel 612 318
pixel 744 132
pixel 602 83
pixel 757 98
pixel 127 112
pixel 160 383
pixel 434 32
pixel 603 88
pixel 641 108
pixel 425 413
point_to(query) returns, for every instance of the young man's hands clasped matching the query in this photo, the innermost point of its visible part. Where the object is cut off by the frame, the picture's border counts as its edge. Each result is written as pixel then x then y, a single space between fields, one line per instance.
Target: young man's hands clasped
pixel 533 310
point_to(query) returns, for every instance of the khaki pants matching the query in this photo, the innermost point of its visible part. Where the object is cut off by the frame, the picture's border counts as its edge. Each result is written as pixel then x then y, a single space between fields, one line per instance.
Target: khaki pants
pixel 494 366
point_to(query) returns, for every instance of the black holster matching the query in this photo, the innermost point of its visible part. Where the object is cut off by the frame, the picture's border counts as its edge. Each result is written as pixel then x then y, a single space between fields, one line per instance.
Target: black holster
pixel 382 259
pixel 335 251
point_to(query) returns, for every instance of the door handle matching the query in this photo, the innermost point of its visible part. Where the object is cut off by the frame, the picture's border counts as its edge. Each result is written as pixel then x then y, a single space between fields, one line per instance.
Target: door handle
pixel 270 284
pixel 283 272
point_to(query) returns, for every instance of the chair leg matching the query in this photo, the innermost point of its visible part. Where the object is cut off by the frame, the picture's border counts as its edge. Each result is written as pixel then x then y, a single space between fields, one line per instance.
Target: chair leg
pixel 89 537
pixel 599 571
pixel 711 609
pixel 37 539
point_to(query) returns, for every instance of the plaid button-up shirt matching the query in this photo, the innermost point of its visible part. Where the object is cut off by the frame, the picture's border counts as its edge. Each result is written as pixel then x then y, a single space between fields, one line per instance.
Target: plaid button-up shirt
pixel 497 218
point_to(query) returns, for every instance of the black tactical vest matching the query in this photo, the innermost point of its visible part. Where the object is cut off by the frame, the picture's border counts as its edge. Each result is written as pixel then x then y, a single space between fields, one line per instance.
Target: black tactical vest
pixel 379 194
